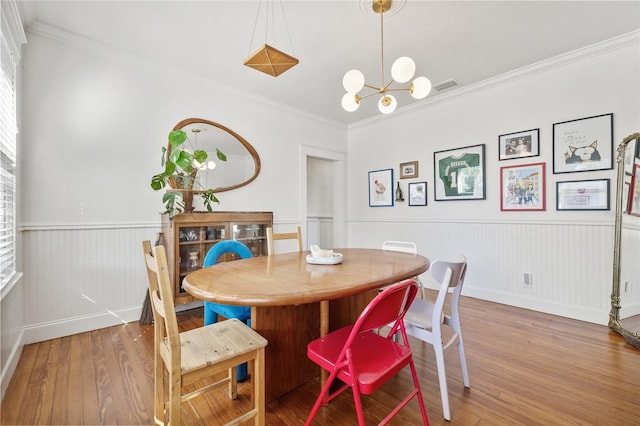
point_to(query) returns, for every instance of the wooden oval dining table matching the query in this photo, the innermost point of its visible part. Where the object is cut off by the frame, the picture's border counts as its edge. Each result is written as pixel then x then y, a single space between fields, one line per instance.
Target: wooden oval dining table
pixel 293 302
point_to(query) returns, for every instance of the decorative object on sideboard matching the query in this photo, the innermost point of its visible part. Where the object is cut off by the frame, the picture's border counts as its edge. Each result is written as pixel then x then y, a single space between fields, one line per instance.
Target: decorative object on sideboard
pixel 181 165
pixel 402 71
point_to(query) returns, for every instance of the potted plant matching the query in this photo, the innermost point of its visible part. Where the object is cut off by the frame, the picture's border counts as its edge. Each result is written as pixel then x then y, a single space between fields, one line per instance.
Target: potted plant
pixel 181 164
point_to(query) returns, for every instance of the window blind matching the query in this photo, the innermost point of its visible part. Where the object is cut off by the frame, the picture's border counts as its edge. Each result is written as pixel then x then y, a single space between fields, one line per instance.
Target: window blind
pixel 8 133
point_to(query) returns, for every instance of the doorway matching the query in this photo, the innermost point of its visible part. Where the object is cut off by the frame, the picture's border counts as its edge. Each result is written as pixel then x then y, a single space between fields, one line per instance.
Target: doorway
pixel 323 197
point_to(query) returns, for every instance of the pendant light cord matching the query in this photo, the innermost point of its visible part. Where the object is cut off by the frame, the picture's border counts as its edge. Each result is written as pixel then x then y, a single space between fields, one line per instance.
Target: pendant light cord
pixel 266 27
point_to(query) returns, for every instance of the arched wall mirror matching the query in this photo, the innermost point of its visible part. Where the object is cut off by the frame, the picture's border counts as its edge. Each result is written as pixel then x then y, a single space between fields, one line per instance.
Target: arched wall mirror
pixel 624 316
pixel 243 162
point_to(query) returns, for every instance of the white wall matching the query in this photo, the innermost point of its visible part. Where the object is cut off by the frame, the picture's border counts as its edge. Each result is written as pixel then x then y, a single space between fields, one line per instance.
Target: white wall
pixel 568 253
pixel 95 121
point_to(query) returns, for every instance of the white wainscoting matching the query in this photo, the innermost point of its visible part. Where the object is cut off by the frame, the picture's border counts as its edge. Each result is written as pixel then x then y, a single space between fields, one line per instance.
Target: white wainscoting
pixel 571 264
pixel 82 278
pixel 320 230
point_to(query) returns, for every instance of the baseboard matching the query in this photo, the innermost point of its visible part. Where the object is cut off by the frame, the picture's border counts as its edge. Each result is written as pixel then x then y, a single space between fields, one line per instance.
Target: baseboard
pixel 11 364
pixel 567 311
pixel 68 326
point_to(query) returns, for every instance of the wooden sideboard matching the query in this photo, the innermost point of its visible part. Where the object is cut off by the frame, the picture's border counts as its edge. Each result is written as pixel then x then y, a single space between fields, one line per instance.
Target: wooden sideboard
pixel 189 236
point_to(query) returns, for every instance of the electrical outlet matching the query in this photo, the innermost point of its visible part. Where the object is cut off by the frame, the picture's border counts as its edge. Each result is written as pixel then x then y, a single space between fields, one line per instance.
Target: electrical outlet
pixel 528 279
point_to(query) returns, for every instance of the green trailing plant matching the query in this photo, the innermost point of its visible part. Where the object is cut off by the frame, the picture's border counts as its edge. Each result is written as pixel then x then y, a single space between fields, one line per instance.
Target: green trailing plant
pixel 180 161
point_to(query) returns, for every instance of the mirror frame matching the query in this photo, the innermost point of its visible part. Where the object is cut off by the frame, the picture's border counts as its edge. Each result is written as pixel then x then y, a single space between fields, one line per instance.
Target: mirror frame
pixel 631 337
pixel 243 141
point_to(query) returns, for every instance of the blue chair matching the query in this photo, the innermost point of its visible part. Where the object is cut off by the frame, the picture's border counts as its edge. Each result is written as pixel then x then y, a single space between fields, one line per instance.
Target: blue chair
pixel 212 310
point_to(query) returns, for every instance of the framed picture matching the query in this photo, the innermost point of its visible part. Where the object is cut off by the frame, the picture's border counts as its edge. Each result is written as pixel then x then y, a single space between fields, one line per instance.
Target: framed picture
pixel 409 170
pixel 459 173
pixel 522 188
pixel 381 188
pixel 583 195
pixel 634 192
pixel 519 144
pixel 418 194
pixel 583 144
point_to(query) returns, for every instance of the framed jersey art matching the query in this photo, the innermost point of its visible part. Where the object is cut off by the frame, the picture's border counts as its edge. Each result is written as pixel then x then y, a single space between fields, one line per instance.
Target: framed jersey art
pixel 459 173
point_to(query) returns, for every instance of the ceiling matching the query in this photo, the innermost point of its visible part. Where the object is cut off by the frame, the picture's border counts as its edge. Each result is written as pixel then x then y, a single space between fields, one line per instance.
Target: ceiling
pixel 469 41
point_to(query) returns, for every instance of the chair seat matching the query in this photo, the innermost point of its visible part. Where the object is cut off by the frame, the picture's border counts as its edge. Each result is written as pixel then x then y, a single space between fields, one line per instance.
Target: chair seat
pixel 243 313
pixel 214 344
pixel 420 313
pixel 371 372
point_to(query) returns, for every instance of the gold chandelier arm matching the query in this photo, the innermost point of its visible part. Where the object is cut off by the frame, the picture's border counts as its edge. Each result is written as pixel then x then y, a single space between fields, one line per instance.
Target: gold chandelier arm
pixel 378 89
pixel 370 94
pixel 398 90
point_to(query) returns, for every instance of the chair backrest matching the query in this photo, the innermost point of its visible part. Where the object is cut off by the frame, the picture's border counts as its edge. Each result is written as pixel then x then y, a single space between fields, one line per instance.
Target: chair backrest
pixel 449 275
pixel 271 237
pixel 224 247
pixel 388 307
pixel 164 312
pixel 403 246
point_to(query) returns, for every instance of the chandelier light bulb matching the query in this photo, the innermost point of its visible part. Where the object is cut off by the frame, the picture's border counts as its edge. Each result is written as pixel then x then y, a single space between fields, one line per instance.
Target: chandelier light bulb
pixel 403 69
pixel 353 81
pixel 420 88
pixel 387 104
pixel 350 102
pixel 211 165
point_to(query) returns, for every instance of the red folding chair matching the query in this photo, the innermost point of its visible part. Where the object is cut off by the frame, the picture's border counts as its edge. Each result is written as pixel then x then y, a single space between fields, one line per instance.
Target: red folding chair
pixel 364 360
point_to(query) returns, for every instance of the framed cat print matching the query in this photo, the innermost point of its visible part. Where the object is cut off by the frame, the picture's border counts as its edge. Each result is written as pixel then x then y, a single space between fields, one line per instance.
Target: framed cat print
pixel 583 144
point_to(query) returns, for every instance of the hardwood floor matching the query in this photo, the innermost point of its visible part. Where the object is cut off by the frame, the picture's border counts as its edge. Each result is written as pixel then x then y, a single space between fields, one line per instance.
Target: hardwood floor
pixel 526 368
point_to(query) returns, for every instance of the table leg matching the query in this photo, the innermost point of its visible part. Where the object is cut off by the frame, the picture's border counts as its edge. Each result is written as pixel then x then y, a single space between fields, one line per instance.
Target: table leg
pixel 324 329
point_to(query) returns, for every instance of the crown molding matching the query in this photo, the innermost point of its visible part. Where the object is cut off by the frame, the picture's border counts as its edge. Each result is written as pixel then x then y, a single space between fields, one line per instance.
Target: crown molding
pixel 66 37
pixel 559 61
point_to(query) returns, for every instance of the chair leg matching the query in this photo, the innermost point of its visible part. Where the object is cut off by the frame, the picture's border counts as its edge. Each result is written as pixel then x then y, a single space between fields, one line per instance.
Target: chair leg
pixel 442 378
pixel 233 383
pixel 323 398
pixel 258 386
pixel 210 316
pixel 358 403
pixel 416 383
pixel 158 385
pixel 175 393
pixel 463 363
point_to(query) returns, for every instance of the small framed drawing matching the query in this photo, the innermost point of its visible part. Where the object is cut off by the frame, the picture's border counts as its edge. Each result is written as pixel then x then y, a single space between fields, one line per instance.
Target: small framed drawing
pixel 590 194
pixel 418 194
pixel 519 145
pixel 381 188
pixel 583 144
pixel 522 188
pixel 634 192
pixel 459 173
pixel 409 170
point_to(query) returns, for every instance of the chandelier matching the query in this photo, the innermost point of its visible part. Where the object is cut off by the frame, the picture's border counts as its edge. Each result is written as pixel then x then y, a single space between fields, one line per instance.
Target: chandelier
pixel 402 71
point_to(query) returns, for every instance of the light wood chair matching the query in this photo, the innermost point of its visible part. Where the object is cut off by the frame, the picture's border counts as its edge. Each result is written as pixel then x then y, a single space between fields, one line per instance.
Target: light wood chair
pixel 197 354
pixel 271 237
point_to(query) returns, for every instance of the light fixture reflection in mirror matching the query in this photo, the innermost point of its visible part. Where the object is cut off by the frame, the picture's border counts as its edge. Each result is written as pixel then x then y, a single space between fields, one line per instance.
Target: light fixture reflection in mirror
pixel 242 165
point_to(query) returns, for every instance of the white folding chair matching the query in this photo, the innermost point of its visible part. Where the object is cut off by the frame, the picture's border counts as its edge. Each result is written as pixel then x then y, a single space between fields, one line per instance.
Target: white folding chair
pixel 404 247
